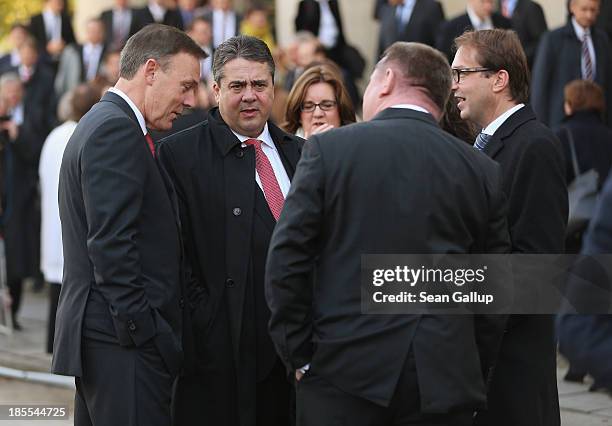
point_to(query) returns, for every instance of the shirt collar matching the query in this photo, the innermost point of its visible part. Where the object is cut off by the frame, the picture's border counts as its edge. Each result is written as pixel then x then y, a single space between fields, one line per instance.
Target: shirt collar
pixel 139 116
pixel 478 23
pixel 578 29
pixel 264 136
pixel 496 124
pixel 411 106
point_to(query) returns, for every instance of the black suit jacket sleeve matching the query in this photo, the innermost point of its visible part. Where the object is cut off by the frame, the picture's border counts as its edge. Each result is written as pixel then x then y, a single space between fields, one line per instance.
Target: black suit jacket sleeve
pixel 112 180
pixel 540 162
pixel 541 80
pixel 308 17
pixel 291 257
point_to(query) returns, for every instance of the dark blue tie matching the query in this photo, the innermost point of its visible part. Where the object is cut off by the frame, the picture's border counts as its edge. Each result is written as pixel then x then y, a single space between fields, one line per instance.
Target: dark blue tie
pixel 481 141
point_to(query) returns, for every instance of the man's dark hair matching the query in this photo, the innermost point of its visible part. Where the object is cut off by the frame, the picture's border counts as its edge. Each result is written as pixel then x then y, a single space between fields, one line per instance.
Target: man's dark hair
pixel 155 41
pixel 500 50
pixel 422 66
pixel 245 47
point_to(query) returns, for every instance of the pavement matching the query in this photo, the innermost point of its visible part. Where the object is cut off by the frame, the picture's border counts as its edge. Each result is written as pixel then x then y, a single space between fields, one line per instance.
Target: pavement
pixel 23 353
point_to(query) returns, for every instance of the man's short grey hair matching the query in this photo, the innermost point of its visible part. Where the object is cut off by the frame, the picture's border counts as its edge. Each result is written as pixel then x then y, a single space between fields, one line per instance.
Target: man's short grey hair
pixel 245 47
pixel 155 41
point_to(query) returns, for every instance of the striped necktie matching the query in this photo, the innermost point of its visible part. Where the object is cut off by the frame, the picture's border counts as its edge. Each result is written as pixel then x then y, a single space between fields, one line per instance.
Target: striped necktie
pixel 481 141
pixel 271 188
pixel 586 57
pixel 151 144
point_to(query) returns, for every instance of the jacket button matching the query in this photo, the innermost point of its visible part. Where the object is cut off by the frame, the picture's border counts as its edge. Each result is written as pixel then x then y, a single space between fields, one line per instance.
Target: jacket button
pixel 131 325
pixel 237 211
pixel 240 153
pixel 229 282
pixel 182 303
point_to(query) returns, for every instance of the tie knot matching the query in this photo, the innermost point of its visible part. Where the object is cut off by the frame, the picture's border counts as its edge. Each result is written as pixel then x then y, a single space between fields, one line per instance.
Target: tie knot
pixel 255 142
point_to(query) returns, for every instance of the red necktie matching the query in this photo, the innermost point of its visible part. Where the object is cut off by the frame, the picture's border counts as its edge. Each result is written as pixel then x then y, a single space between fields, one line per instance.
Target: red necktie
pixel 271 189
pixel 151 144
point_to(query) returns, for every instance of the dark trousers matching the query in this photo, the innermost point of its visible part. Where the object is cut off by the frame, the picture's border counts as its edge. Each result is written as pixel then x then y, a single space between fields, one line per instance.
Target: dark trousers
pixel 15 286
pixel 213 399
pixel 122 386
pixel 320 403
pixel 54 292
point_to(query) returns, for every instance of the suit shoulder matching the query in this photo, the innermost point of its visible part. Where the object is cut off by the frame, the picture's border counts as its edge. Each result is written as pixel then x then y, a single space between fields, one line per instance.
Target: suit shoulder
pixel 185 140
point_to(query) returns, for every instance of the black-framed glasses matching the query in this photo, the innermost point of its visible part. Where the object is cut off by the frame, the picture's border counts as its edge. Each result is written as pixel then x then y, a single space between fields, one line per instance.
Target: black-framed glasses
pixel 324 105
pixel 458 71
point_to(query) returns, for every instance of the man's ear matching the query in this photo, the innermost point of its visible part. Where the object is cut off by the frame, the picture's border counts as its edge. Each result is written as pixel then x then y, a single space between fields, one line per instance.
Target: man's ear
pixel 501 81
pixel 216 90
pixel 390 80
pixel 150 68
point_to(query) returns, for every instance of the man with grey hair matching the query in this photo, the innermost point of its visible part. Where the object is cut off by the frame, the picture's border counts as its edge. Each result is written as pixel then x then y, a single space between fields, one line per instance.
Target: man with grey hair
pixel 357 190
pixel 231 174
pixel 119 318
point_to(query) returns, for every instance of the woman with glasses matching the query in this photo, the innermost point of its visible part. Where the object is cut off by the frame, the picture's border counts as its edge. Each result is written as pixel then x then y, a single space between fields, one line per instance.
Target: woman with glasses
pixel 318 102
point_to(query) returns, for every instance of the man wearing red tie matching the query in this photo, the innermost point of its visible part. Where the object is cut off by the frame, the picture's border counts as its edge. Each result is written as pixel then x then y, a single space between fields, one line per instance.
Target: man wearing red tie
pixel 231 174
pixel 119 319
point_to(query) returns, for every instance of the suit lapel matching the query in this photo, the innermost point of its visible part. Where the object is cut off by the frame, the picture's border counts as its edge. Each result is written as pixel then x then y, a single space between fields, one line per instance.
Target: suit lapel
pixel 496 144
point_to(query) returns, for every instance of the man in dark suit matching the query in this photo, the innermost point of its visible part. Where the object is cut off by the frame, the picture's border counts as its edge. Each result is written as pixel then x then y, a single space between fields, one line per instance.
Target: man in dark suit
pixel 225 21
pixel 117 22
pixel 52 29
pixel 479 16
pixel 578 50
pixel 356 191
pixel 491 87
pixel 231 174
pixel 11 60
pixel 24 132
pixel 156 11
pixel 528 21
pixel 118 327
pixel 80 63
pixel 409 20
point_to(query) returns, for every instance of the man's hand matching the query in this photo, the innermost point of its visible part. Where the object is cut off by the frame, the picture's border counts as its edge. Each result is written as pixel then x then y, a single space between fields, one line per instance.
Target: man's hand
pixel 55 47
pixel 298 375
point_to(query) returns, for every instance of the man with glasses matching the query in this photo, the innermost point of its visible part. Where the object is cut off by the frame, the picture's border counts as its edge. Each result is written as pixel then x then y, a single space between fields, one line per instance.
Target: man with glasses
pixel 232 174
pixel 491 87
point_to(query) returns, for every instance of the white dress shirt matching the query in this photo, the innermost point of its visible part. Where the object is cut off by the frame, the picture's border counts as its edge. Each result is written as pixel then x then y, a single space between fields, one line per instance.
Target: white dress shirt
pixel 224 26
pixel 122 19
pixel 53 25
pixel 328 29
pixel 51 252
pixel 496 124
pixel 580 31
pixel 404 11
pixel 158 12
pixel 92 55
pixel 271 152
pixel 139 116
pixel 477 23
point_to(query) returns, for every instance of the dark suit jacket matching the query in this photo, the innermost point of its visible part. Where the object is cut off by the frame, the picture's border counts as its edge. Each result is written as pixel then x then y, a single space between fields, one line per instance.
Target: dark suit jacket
pixel 341 205
pixel 142 17
pixel 457 26
pixel 557 63
pixel 529 23
pixel 227 225
pixel 309 16
pixel 37 29
pixel 523 388
pixel 21 216
pixel 422 26
pixel 122 280
pixel 109 36
pixel 592 141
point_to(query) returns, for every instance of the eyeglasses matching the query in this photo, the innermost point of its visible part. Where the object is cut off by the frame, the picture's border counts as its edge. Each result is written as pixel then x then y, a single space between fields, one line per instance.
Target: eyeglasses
pixel 458 71
pixel 324 105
